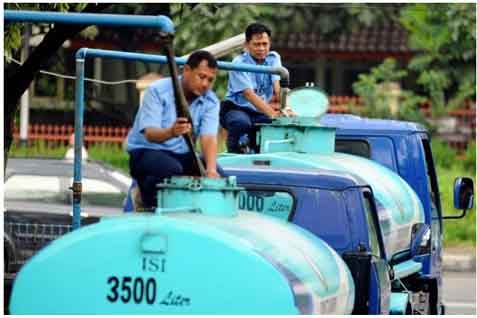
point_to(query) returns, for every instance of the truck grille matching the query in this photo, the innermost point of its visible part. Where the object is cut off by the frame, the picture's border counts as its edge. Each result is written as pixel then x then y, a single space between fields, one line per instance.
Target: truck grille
pixel 28 238
pixel 25 233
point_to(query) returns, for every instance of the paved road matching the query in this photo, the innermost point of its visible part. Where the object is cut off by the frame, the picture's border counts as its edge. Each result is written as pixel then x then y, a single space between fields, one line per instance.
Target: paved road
pixel 459 293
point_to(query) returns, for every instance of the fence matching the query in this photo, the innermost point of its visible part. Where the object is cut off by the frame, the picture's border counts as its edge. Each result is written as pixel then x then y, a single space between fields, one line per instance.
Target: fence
pixel 60 134
pixel 464 124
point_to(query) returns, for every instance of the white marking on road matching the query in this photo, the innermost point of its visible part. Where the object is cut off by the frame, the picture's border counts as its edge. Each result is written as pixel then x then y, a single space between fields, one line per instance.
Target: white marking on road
pixel 459 305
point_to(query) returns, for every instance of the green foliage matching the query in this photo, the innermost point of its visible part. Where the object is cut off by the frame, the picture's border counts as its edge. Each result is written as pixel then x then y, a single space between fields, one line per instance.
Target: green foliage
pixel 444 37
pixel 460 231
pixel 449 167
pixel 12 39
pixel 377 93
pixel 221 21
pixel 444 156
pixel 38 148
pixel 112 154
pixel 216 22
pixel 13 31
pixel 469 159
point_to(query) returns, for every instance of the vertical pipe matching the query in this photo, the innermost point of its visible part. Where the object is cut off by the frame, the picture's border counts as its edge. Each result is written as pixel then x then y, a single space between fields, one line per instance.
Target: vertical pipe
pixel 79 94
pixel 25 99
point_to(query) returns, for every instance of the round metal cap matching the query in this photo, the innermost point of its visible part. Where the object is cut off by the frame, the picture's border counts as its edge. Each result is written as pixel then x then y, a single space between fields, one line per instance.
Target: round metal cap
pixel 308 101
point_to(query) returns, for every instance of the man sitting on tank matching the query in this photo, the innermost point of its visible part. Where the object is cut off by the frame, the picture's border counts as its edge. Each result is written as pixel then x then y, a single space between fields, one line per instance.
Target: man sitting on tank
pixel 155 144
pixel 251 98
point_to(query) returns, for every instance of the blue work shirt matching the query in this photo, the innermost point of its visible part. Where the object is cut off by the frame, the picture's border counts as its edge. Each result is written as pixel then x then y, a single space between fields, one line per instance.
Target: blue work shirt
pixel 158 110
pixel 262 84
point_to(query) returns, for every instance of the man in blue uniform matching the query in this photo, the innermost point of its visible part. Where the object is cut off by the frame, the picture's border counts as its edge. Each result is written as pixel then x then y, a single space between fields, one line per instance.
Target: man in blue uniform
pixel 249 95
pixel 155 145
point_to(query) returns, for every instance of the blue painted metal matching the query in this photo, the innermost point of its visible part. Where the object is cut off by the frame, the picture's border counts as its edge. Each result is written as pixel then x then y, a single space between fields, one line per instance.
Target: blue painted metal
pixel 350 122
pixel 399 207
pixel 398 303
pixel 163 23
pixel 458 184
pixel 161 59
pixel 308 101
pixel 406 268
pixel 296 134
pixel 316 177
pixel 329 205
pixel 407 151
pixel 79 110
pixel 207 196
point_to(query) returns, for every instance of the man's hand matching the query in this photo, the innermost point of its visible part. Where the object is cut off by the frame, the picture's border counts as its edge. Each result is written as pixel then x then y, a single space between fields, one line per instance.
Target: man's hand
pixel 180 127
pixel 288 112
pixel 272 111
pixel 212 173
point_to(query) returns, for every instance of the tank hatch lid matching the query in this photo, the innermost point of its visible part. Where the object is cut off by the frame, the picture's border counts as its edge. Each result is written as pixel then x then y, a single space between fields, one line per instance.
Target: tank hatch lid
pixel 308 102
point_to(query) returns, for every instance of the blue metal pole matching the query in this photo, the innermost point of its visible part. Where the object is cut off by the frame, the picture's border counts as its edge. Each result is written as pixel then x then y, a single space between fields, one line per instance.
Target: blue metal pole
pixel 161 59
pixel 160 22
pixel 79 110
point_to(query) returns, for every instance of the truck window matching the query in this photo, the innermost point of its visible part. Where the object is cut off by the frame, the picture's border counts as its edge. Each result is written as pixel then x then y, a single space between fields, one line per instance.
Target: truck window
pixel 373 231
pixel 354 147
pixel 325 214
pixel 274 203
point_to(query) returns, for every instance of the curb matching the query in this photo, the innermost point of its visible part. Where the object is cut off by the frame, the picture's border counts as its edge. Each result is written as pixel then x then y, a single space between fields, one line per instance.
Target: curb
pixel 458 263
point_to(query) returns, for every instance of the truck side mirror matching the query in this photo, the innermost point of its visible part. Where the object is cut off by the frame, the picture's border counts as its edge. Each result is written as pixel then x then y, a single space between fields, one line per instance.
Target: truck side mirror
pixel 420 240
pixel 463 193
pixel 463 196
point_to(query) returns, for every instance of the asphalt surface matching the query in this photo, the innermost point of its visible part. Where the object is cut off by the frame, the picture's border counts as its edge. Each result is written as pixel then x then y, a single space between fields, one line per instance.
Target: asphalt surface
pixel 459 293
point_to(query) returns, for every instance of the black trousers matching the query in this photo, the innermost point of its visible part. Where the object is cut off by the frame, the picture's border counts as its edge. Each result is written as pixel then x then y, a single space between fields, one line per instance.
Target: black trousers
pixel 150 167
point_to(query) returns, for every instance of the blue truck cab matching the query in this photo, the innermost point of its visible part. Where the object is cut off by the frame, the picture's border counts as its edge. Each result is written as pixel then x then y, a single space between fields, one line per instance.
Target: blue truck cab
pixel 404 151
pixel 338 208
pixel 328 197
pixel 405 148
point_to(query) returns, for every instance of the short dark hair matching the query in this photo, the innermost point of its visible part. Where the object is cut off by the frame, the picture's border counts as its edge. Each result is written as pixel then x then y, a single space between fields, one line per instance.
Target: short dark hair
pixel 256 28
pixel 198 56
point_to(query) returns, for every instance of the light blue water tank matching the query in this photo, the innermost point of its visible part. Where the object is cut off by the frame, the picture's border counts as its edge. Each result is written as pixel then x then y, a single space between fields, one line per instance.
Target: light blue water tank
pixel 184 260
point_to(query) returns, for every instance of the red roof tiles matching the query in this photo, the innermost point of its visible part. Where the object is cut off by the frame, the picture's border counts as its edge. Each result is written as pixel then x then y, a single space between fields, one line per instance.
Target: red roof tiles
pixel 391 38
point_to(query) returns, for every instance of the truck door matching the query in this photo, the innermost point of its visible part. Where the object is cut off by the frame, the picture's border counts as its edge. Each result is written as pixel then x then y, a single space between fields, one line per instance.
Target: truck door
pixel 380 283
pixel 367 261
pixel 433 203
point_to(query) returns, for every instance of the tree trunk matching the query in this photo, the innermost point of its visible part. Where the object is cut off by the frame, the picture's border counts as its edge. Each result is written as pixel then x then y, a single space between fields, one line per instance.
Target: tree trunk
pixel 16 84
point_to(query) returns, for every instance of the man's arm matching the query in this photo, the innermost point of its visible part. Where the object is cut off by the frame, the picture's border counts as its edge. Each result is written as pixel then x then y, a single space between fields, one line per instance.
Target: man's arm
pixel 158 135
pixel 260 104
pixel 208 144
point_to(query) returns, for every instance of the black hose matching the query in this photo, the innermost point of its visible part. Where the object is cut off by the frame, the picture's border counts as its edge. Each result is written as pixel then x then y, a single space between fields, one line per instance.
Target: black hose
pixel 182 108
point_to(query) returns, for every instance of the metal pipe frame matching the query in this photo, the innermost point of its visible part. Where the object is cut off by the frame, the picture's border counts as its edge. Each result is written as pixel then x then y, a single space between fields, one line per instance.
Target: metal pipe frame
pixel 161 22
pixel 84 53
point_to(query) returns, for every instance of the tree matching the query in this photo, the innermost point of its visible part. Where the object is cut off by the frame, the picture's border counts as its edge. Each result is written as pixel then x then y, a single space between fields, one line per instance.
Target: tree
pixel 17 80
pixel 220 21
pixel 382 100
pixel 444 36
pixel 216 22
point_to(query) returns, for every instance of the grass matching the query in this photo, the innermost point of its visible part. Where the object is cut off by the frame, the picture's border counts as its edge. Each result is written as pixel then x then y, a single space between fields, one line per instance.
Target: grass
pixel 111 154
pixel 38 149
pixel 457 232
